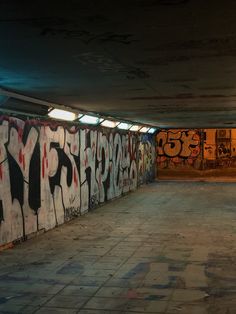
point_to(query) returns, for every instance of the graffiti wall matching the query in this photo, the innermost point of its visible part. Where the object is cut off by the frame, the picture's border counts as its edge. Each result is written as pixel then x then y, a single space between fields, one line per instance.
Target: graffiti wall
pixel 52 173
pixel 147 159
pixel 219 148
pixel 178 149
pixel 202 149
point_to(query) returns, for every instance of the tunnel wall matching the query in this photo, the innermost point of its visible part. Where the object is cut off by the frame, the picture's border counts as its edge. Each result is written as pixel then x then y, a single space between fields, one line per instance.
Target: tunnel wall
pixel 179 149
pixel 185 151
pixel 219 148
pixel 51 173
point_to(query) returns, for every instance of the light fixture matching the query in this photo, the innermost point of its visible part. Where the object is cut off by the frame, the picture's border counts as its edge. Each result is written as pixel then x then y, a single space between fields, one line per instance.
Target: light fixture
pixel 152 130
pixel 124 126
pixel 144 129
pixel 135 128
pixel 62 114
pixel 109 123
pixel 90 119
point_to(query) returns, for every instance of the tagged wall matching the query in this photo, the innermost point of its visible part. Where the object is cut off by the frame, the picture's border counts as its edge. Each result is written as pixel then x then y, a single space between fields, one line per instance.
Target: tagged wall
pixel 147 159
pixel 219 148
pixel 200 150
pixel 178 149
pixel 50 173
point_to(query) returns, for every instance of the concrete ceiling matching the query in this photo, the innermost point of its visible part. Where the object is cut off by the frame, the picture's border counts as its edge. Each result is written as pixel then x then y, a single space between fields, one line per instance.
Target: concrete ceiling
pixel 170 63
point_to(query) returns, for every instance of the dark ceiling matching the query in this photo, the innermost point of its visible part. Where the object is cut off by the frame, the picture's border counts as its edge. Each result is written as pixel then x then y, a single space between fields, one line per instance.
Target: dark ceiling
pixel 170 63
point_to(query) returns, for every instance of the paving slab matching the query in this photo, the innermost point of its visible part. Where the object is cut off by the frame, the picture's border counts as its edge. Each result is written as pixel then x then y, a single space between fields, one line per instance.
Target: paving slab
pixel 169 247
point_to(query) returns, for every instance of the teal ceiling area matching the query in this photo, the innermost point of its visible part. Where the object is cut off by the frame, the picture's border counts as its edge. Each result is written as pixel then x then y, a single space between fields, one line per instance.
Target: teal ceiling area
pixel 167 63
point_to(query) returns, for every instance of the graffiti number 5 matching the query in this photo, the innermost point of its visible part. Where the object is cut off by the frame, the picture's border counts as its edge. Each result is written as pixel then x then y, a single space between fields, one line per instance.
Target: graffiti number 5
pixel 173 146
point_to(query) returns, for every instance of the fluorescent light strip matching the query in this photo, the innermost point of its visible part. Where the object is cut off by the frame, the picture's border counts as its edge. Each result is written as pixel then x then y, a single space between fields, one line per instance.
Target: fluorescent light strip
pixel 109 123
pixel 67 115
pixel 62 115
pixel 124 126
pixel 135 128
pixel 86 119
pixel 152 130
pixel 144 129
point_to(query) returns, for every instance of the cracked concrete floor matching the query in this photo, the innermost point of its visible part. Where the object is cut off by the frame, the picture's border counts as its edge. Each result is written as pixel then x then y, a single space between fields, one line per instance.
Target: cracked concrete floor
pixel 166 248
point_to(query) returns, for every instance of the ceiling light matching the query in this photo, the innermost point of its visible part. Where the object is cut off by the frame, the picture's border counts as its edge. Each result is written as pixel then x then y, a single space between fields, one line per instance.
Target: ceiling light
pixel 124 126
pixel 110 124
pixel 135 127
pixel 90 119
pixel 62 115
pixel 152 130
pixel 144 129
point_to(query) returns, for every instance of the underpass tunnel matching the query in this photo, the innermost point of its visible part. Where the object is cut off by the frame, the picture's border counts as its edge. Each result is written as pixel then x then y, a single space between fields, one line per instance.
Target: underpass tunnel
pixel 117 157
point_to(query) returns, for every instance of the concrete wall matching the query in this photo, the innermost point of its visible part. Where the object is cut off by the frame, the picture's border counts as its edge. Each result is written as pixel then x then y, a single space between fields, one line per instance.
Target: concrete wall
pixel 202 150
pixel 219 148
pixel 51 173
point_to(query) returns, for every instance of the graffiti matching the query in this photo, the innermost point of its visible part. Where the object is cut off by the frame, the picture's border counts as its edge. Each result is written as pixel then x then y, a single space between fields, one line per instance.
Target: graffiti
pixel 224 149
pixel 147 158
pixel 178 143
pixel 209 150
pixel 177 147
pixel 181 149
pixel 223 141
pixel 50 174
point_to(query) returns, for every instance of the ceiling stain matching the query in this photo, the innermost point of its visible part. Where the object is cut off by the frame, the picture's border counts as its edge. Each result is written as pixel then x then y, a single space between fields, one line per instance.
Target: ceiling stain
pixel 163 60
pixel 179 80
pixel 185 86
pixel 88 37
pixel 38 21
pixel 137 73
pixel 136 89
pixel 216 88
pixel 217 43
pixel 108 64
pixel 151 3
pixel 101 61
pixel 182 108
pixel 97 18
pixel 180 96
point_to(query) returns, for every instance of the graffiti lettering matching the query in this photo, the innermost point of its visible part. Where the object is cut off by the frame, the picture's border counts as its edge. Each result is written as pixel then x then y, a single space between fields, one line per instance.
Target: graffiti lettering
pixel 178 143
pixel 50 174
pixel 175 147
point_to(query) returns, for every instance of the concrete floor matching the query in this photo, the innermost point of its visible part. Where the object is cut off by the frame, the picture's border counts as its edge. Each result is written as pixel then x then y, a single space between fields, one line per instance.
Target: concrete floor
pixel 166 248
